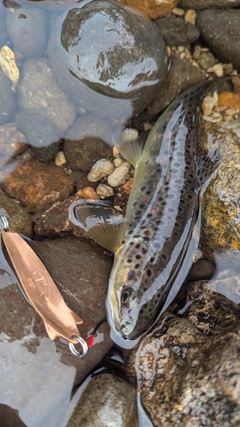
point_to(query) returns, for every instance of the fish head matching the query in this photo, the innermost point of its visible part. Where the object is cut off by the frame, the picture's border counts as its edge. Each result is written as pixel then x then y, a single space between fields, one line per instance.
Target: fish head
pixel 131 304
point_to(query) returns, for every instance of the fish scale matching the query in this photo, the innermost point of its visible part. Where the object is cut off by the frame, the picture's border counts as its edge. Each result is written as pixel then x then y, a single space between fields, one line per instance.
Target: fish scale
pixel 158 238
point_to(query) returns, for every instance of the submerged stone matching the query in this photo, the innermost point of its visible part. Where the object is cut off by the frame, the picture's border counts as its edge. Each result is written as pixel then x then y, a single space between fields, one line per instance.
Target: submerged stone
pixel 107 59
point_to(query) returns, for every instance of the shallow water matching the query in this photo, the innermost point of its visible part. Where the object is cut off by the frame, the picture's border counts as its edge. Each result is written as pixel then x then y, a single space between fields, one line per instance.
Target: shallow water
pixel 22 369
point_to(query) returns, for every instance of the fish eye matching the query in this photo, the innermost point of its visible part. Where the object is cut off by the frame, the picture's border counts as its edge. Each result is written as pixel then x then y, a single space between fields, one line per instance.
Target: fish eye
pixel 128 294
pixel 125 296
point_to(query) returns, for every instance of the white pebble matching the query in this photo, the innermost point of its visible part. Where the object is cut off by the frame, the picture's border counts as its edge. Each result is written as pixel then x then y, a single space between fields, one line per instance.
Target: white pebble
pixel 117 162
pixel 119 175
pixel 100 169
pixel 104 190
pixel 177 11
pixel 218 70
pixel 207 105
pixel 211 119
pixel 129 135
pixel 60 159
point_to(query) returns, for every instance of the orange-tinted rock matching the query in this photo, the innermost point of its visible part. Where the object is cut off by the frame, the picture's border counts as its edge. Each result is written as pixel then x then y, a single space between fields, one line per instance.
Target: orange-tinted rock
pixel 229 99
pixel 37 185
pixel 12 141
pixel 152 8
pixel 128 186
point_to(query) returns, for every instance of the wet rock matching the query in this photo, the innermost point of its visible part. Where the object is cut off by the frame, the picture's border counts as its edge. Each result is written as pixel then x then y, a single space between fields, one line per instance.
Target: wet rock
pixel 54 222
pixel 110 81
pixel 12 141
pixel 187 369
pixel 100 169
pixel 4 37
pixel 26 350
pixel 107 400
pixel 37 185
pixel 177 32
pixel 220 203
pixel 86 142
pixel 39 93
pixel 27 29
pixel 181 76
pixel 41 134
pixel 119 175
pixel 218 25
pixel 201 270
pixel 18 217
pixel 7 98
pixel 152 8
pixel 203 4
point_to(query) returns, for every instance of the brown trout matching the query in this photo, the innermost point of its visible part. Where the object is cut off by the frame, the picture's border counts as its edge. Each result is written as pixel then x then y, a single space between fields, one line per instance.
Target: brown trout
pixel 156 242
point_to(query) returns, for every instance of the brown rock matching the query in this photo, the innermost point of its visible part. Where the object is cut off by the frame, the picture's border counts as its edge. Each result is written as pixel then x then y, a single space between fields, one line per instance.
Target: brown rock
pixel 187 369
pixel 37 185
pixel 152 8
pixel 38 374
pixel 12 141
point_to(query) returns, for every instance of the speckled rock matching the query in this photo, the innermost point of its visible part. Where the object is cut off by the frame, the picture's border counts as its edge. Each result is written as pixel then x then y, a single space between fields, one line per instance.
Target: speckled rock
pixel 7 98
pixel 18 217
pixel 100 169
pixel 26 350
pixel 203 4
pixel 54 221
pixel 110 81
pixel 107 400
pixel 12 141
pixel 27 28
pixel 187 370
pixel 37 185
pixel 104 190
pixel 39 93
pixel 177 32
pixel 181 76
pixel 220 204
pixel 217 26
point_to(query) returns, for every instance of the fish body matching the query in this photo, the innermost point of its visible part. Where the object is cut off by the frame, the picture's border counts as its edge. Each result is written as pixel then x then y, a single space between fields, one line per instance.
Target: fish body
pixel 158 238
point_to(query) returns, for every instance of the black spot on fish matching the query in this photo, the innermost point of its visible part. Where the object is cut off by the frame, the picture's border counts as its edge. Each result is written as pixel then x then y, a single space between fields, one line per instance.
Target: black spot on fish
pixel 129 260
pixel 138 256
pixel 149 273
pixel 131 275
pixel 136 266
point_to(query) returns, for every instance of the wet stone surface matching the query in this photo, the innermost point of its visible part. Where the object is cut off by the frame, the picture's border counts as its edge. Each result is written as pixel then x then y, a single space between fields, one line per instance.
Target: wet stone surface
pixel 26 350
pixel 108 400
pixel 32 184
pixel 187 370
pixel 115 82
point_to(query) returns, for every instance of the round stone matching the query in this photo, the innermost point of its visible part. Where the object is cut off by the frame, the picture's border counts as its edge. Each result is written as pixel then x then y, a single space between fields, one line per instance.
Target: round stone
pixel 109 60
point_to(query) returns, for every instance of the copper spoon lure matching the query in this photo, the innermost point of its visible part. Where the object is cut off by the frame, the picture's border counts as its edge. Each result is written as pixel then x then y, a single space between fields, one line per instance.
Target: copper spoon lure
pixel 42 292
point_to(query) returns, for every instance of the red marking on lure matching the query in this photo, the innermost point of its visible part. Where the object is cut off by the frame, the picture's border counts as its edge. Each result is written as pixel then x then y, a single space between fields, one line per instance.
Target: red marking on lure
pixel 90 341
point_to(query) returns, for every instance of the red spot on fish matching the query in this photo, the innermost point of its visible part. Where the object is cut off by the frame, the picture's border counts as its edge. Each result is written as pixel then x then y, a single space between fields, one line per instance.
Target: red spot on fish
pixel 160 160
pixel 153 209
pixel 157 185
pixel 145 199
pixel 150 172
pixel 157 136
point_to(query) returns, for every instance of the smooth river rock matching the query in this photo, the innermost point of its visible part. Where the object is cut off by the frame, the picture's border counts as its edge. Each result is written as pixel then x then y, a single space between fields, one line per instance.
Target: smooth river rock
pixel 117 76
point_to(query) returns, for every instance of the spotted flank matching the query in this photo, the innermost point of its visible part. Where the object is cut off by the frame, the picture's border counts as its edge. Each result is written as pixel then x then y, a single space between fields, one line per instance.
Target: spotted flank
pixel 156 241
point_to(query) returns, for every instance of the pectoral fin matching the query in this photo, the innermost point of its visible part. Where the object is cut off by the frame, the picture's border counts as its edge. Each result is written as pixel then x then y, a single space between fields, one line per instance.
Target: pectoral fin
pixel 100 220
